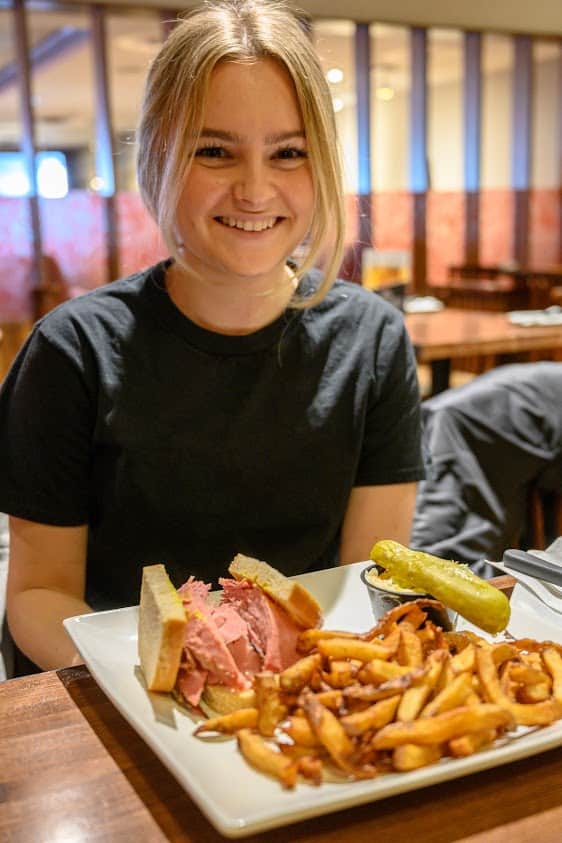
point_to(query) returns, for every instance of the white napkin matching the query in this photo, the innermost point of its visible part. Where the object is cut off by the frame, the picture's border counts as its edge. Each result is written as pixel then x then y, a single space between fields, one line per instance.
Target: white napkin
pixel 422 304
pixel 526 318
pixel 531 618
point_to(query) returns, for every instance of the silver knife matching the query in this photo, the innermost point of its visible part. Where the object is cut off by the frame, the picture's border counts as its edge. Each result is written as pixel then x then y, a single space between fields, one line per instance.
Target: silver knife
pixel 533 566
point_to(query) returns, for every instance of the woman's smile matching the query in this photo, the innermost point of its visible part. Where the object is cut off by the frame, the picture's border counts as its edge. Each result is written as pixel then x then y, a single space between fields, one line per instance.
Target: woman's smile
pixel 249 225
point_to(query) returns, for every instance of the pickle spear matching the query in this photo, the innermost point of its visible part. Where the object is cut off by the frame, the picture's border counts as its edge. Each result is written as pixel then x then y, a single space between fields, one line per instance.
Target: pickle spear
pixel 453 583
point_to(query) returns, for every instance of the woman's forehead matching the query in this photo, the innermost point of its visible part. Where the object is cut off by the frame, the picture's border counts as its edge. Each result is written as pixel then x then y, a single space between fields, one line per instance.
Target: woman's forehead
pixel 263 87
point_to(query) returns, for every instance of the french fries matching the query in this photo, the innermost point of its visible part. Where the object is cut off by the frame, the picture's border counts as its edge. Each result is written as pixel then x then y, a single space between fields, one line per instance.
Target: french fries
pixel 525 714
pixel 262 756
pixel 411 756
pixel 443 727
pixel 469 744
pixel 328 730
pixel 229 724
pixel 451 696
pixel 374 717
pixel 271 708
pixel 294 678
pixel 398 697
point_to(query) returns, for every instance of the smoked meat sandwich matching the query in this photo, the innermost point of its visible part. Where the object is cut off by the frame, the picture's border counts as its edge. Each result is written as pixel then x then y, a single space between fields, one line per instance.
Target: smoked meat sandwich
pixel 207 648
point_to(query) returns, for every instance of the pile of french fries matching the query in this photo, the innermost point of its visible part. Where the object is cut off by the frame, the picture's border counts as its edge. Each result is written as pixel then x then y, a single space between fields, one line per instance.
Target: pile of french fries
pixel 398 697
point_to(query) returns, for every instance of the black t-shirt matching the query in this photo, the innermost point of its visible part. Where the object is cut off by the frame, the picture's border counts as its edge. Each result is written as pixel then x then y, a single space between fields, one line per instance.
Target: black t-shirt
pixel 184 446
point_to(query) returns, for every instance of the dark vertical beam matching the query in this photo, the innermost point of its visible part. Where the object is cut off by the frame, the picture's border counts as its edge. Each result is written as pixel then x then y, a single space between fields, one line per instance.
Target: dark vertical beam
pixel 560 150
pixel 28 135
pixel 472 143
pixel 363 90
pixel 104 141
pixel 419 176
pixel 521 138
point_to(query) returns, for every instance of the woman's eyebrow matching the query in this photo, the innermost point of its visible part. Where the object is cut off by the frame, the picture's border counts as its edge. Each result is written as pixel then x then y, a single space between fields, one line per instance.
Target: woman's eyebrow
pixel 232 137
pixel 283 136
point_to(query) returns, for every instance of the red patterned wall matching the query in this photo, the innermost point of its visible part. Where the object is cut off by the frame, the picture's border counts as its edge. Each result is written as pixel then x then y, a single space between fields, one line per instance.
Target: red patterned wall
pixel 445 234
pixel 72 230
pixel 73 236
pixel 140 243
pixel 14 260
pixel 392 220
pixel 496 214
pixel 14 228
pixel 545 219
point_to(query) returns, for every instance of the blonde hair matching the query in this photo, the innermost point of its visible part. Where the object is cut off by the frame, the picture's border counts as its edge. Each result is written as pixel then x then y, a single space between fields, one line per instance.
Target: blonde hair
pixel 238 30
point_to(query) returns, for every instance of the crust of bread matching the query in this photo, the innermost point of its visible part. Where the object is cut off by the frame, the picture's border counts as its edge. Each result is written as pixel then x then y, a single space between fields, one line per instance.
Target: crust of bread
pixel 161 629
pixel 297 601
pixel 223 700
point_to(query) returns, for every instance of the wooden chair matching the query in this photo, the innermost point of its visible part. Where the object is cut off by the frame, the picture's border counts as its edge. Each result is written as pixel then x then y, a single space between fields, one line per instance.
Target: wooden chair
pixel 464 271
pixel 497 294
pixel 556 295
pixel 485 288
pixel 542 507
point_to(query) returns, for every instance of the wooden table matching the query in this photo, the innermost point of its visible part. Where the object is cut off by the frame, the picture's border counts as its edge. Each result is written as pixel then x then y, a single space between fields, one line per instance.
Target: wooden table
pixel 73 770
pixel 440 337
pixel 537 279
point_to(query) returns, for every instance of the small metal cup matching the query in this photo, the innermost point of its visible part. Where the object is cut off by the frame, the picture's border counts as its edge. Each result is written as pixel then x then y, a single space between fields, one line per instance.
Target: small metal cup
pixel 383 599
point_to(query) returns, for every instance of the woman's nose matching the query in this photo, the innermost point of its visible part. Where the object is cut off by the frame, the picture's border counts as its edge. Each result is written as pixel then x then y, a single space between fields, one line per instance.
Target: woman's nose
pixel 254 186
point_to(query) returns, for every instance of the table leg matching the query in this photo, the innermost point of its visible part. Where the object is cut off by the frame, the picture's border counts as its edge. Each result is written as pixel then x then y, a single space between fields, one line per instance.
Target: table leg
pixel 440 375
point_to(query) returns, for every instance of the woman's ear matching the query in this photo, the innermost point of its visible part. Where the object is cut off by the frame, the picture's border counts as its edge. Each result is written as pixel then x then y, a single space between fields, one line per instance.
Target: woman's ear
pixel 178 241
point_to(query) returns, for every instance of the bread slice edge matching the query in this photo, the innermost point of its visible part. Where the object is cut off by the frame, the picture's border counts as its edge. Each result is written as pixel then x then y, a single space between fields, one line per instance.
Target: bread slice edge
pixel 161 629
pixel 297 601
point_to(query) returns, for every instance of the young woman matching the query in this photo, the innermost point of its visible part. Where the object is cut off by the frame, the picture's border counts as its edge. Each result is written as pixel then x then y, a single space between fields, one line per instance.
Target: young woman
pixel 228 399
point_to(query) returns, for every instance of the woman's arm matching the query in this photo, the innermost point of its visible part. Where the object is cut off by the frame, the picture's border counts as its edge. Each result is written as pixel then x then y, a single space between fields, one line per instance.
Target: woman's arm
pixel 46 583
pixel 373 513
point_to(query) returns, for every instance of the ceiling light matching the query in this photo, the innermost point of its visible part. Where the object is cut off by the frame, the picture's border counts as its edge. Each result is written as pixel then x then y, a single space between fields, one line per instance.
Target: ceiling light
pixel 96 183
pixel 52 176
pixel 385 93
pixel 334 75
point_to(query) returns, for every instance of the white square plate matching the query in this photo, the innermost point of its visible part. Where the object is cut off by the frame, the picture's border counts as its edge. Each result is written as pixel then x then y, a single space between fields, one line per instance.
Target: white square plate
pixel 237 800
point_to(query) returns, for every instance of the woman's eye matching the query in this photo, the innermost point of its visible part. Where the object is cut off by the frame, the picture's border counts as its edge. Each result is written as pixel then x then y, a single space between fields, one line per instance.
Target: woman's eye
pixel 211 152
pixel 291 153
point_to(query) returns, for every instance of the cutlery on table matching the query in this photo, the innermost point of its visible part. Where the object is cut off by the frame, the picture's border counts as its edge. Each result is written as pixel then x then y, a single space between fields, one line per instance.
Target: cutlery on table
pixel 533 566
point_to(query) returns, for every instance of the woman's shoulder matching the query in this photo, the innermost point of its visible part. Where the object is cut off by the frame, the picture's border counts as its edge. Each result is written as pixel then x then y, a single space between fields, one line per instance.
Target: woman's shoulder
pixel 111 306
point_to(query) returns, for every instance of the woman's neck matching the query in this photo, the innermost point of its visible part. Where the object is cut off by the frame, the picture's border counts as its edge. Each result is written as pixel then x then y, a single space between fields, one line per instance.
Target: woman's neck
pixel 229 309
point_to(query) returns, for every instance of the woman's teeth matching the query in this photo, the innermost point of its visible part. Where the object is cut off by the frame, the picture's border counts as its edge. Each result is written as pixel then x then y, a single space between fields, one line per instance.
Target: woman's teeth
pixel 248 225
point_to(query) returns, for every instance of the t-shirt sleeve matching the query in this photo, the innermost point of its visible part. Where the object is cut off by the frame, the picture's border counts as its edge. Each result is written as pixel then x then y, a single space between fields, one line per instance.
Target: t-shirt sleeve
pixel 46 420
pixel 392 449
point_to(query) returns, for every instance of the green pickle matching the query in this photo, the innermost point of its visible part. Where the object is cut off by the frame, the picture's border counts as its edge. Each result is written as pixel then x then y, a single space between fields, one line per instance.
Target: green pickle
pixel 453 583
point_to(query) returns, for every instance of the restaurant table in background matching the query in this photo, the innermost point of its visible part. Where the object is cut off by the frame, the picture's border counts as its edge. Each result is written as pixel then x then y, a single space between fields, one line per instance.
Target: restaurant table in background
pixel 72 769
pixel 499 294
pixel 440 337
pixel 537 280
